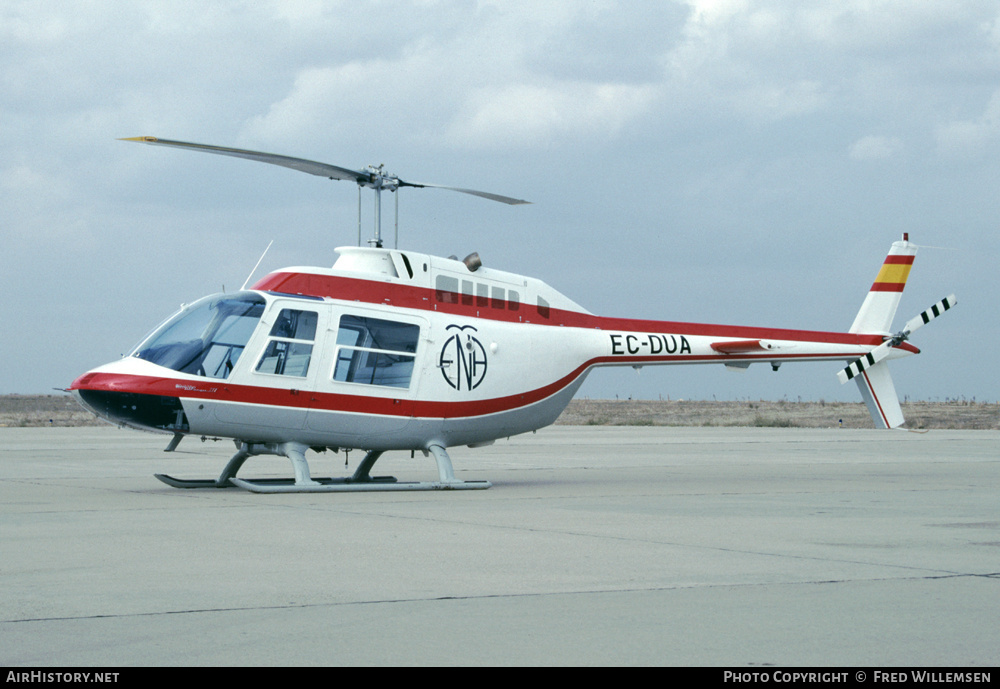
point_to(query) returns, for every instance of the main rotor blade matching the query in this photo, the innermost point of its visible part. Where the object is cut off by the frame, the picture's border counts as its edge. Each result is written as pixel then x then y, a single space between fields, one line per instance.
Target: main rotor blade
pixel 482 194
pixel 319 169
pixel 300 164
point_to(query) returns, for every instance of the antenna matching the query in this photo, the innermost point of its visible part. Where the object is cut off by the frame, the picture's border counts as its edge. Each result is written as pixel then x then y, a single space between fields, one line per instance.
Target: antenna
pixel 256 266
pixel 374 177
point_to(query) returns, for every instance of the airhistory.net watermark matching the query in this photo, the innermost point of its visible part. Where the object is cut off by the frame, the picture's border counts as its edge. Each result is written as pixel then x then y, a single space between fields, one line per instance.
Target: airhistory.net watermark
pixel 41 677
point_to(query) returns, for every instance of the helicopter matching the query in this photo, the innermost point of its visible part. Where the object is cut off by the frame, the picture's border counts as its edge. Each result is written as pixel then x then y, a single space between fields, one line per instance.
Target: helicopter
pixel 395 350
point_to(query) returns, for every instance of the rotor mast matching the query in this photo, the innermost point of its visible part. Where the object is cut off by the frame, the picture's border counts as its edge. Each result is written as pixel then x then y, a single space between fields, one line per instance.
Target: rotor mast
pixel 379 181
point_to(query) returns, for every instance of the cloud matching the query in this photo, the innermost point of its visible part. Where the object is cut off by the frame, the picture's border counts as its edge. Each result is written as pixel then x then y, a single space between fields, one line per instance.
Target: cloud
pixel 771 60
pixel 319 99
pixel 735 56
pixel 875 148
pixel 492 85
pixel 527 115
pixel 745 118
pixel 973 138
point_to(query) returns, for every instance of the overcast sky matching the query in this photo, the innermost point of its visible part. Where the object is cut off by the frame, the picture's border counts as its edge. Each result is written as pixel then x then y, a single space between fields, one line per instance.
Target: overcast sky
pixel 743 162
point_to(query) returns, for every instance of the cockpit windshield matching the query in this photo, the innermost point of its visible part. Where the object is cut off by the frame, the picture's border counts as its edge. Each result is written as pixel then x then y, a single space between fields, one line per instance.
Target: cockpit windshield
pixel 205 338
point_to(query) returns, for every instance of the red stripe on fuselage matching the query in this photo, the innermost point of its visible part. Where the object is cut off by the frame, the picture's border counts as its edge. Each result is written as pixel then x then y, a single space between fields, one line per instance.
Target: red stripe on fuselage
pixel 223 391
pixel 220 391
pixel 421 298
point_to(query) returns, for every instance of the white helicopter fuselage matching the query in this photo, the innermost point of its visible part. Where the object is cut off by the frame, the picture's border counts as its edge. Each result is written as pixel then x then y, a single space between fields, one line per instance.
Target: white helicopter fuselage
pixel 395 350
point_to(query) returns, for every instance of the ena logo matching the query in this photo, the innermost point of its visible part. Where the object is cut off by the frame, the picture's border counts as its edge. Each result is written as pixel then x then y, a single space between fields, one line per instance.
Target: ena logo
pixel 463 359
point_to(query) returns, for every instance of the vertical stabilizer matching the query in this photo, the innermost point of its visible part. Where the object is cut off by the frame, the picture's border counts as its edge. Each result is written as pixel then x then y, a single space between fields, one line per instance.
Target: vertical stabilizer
pixel 879 394
pixel 879 307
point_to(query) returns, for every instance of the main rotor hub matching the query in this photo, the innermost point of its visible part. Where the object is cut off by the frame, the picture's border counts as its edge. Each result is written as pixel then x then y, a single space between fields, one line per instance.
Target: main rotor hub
pixel 379 179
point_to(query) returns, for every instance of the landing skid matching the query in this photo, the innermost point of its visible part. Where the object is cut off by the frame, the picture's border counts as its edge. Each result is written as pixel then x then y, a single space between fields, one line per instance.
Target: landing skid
pixel 346 486
pixel 233 482
pixel 193 483
pixel 360 481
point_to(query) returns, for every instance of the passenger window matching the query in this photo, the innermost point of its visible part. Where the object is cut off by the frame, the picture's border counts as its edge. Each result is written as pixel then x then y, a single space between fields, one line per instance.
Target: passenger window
pixel 466 293
pixel 513 300
pixel 499 295
pixel 290 348
pixel 373 351
pixel 446 289
pixel 482 294
pixel 543 308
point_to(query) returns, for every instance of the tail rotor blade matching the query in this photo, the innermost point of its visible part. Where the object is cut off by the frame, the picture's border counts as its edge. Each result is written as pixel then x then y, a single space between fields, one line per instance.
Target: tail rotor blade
pixel 882 351
pixel 866 361
pixel 930 314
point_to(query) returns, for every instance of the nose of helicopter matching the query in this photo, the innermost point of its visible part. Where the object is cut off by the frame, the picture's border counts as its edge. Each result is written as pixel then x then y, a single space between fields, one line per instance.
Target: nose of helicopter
pixel 112 400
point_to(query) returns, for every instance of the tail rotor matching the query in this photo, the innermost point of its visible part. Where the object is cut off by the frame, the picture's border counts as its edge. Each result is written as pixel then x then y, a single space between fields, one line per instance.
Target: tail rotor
pixel 883 350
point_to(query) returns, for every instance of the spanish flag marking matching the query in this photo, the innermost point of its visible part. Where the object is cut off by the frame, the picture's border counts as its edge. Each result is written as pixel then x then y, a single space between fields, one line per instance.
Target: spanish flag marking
pixel 892 276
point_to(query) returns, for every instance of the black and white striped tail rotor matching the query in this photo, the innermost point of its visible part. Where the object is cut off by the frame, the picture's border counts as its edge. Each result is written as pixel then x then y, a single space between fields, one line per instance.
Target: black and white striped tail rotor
pixel 883 350
pixel 867 361
pixel 925 318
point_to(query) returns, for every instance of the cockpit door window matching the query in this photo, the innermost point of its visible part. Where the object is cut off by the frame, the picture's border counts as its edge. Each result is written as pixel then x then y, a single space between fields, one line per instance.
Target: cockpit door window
pixel 289 348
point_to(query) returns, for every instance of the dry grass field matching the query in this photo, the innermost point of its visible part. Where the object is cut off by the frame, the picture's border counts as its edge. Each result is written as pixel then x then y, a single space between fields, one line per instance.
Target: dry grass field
pixel 63 410
pixel 919 415
pixel 44 410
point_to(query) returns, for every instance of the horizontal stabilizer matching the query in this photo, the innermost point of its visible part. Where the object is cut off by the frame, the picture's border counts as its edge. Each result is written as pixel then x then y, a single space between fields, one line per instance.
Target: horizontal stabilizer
pixel 743 346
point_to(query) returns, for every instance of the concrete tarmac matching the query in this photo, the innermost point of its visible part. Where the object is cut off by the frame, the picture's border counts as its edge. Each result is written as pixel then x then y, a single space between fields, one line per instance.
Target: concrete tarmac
pixel 595 546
